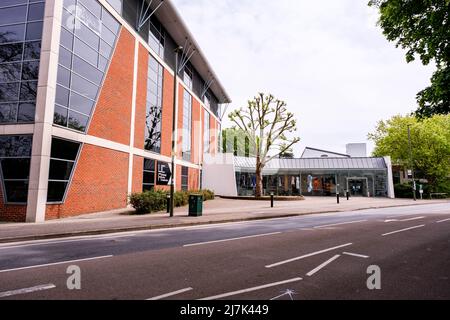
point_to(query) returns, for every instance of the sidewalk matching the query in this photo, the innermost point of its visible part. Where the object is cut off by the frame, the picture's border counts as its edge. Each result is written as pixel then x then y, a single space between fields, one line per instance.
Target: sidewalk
pixel 216 211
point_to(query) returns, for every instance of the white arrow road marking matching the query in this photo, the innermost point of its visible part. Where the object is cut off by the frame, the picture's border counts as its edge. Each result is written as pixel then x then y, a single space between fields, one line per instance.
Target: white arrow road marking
pixel 171 294
pixel 234 293
pixel 407 229
pixel 27 290
pixel 307 255
pixel 323 265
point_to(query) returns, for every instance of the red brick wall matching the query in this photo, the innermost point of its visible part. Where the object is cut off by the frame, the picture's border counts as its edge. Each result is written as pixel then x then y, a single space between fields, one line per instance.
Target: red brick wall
pixel 193 179
pixel 112 116
pixel 141 98
pixel 99 184
pixel 11 213
pixel 213 134
pixel 138 174
pixel 167 111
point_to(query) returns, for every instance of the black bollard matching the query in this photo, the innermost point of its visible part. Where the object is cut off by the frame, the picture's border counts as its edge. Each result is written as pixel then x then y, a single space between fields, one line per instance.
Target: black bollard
pixel 271 200
pixel 168 204
pixel 348 195
pixel 337 195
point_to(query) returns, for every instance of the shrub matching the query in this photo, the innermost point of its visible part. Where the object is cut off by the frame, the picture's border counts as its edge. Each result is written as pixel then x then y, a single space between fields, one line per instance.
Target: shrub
pixel 156 200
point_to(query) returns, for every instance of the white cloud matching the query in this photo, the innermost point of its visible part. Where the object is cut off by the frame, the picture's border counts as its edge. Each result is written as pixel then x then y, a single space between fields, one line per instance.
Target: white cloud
pixel 328 60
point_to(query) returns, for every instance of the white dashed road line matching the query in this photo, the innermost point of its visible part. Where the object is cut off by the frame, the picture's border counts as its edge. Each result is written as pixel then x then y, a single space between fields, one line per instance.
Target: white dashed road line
pixel 55 263
pixel 445 220
pixel 171 294
pixel 403 230
pixel 27 290
pixel 232 239
pixel 356 255
pixel 339 224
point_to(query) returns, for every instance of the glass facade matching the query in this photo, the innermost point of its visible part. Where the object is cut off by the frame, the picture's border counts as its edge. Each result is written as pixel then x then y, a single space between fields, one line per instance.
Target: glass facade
pixel 62 163
pixel 20 49
pixel 88 37
pixel 15 159
pixel 206 132
pixel 363 183
pixel 154 106
pixel 187 125
pixel 149 175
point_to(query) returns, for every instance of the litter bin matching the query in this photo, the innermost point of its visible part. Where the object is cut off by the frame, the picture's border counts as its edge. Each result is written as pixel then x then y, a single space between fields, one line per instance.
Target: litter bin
pixel 195 205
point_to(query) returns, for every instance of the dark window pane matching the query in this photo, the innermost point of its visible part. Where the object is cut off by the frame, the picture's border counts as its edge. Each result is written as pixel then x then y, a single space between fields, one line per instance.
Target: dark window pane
pixel 60 116
pixel 56 191
pixel 60 170
pixel 62 96
pixel 13 15
pixel 184 171
pixel 32 50
pixel 84 87
pixel 77 121
pixel 8 112
pixel 9 72
pixel 63 149
pixel 13 33
pixel 16 191
pixel 15 146
pixel 65 57
pixel 149 177
pixel 66 39
pixel 9 92
pixel 63 76
pixel 6 3
pixel 88 36
pixel 86 70
pixel 80 103
pixel 148 187
pixel 26 112
pixel 85 52
pixel 36 11
pixel 11 52
pixel 34 31
pixel 16 169
pixel 30 70
pixel 149 165
pixel 28 91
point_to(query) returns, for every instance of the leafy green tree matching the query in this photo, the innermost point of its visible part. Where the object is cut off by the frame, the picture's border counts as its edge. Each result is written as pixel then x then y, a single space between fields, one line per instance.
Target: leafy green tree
pixel 422 27
pixel 430 140
pixel 237 142
pixel 266 122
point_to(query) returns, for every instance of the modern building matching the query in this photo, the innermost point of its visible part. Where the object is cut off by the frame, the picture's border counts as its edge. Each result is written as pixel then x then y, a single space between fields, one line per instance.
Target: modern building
pixel 86 105
pixel 309 153
pixel 322 176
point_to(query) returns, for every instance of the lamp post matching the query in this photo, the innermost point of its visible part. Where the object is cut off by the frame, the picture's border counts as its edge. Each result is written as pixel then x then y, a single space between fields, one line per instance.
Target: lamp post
pixel 411 163
pixel 174 122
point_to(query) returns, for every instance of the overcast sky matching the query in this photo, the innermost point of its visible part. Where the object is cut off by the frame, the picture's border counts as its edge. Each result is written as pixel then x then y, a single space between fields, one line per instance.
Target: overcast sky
pixel 327 59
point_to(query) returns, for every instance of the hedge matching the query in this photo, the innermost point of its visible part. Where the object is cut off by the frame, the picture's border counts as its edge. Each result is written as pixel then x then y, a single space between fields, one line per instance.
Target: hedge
pixel 156 200
pixel 405 190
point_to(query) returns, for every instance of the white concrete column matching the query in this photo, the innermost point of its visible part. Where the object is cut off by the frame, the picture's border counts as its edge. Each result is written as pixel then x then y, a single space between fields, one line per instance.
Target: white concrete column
pixel 390 178
pixel 45 102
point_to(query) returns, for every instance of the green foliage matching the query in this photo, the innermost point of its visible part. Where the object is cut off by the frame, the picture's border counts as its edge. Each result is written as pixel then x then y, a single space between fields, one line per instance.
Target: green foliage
pixel 156 200
pixel 423 29
pixel 405 190
pixel 237 141
pixel 430 140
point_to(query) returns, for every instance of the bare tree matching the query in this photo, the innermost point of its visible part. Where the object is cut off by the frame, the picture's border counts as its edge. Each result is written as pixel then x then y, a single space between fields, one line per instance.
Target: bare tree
pixel 266 121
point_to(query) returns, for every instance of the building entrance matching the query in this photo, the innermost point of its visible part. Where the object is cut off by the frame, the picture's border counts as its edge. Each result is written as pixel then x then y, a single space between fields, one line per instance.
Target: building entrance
pixel 357 187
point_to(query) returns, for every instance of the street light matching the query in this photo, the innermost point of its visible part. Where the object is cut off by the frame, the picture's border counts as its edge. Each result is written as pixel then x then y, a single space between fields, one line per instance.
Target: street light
pixel 174 122
pixel 411 163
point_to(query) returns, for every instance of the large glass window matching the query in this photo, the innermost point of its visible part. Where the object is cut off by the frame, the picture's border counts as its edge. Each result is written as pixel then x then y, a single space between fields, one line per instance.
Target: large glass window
pixel 154 106
pixel 116 4
pixel 184 178
pixel 156 37
pixel 15 158
pixel 187 125
pixel 188 76
pixel 62 163
pixel 20 50
pixel 88 36
pixel 149 175
pixel 206 132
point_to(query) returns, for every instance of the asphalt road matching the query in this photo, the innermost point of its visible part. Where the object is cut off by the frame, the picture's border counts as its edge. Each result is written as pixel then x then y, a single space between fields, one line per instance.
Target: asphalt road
pixel 323 256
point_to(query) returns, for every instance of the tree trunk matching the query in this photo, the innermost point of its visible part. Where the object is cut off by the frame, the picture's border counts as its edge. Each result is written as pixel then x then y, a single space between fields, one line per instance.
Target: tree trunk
pixel 259 180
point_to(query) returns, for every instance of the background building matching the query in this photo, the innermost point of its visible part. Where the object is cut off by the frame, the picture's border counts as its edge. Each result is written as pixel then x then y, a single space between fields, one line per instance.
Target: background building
pixel 86 100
